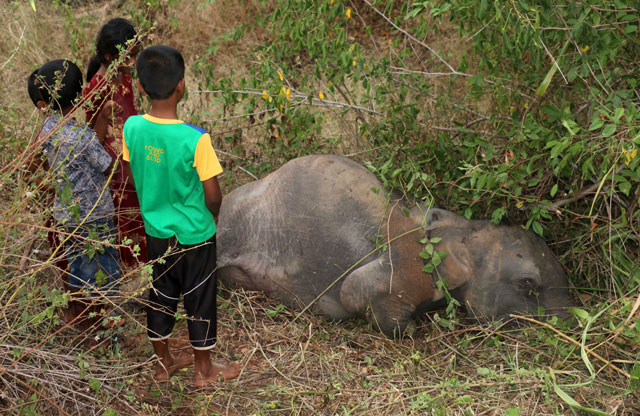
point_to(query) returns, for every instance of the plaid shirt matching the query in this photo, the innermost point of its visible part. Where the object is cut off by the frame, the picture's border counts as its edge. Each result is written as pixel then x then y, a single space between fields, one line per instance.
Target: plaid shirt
pixel 77 161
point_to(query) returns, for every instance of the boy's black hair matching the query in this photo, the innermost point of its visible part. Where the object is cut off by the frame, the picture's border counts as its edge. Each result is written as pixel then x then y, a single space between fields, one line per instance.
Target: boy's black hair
pixel 57 83
pixel 160 69
pixel 32 87
pixel 113 34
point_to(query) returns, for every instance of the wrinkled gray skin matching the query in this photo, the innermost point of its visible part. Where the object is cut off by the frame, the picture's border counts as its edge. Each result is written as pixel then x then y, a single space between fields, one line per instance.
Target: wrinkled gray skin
pixel 314 221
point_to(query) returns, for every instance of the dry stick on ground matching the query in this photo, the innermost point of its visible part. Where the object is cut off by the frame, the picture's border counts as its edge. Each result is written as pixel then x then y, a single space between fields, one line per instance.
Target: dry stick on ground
pixel 579 195
pixel 573 341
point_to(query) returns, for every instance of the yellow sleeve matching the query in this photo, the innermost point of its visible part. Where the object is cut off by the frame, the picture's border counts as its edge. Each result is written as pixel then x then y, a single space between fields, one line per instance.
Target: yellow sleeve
pixel 205 160
pixel 125 149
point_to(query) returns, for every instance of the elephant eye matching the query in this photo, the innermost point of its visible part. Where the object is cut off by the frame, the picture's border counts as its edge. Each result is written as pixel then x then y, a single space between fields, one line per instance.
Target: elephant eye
pixel 528 283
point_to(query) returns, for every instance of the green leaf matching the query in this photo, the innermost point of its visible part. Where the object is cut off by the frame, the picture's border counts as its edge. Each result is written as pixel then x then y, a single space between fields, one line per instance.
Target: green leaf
pixel 537 228
pixel 464 399
pixel 429 268
pixel 596 123
pixel 554 68
pixel 618 113
pixel 512 411
pixel 571 126
pixel 429 249
pixel 110 412
pixel 498 214
pixel 609 130
pixel 625 187
pixel 571 401
pixel 94 383
pixel 436 260
pixel 554 190
pixel 580 313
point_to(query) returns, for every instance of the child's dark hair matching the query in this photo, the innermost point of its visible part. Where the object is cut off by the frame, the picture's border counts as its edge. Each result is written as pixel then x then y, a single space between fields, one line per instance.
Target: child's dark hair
pixel 32 87
pixel 57 83
pixel 160 69
pixel 115 33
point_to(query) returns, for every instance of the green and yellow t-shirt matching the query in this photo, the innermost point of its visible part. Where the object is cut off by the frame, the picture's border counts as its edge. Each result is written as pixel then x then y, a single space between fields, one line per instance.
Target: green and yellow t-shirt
pixel 169 160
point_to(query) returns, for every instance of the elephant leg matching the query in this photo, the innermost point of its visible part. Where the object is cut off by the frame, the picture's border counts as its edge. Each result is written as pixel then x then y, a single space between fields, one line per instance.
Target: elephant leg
pixel 234 277
pixel 253 271
pixel 365 293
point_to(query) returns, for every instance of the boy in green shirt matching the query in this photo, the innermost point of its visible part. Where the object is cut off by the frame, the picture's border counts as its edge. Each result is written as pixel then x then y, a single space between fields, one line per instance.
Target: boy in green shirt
pixel 174 169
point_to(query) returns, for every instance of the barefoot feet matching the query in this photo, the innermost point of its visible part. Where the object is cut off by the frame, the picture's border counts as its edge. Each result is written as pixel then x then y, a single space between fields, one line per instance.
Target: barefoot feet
pixel 217 372
pixel 165 368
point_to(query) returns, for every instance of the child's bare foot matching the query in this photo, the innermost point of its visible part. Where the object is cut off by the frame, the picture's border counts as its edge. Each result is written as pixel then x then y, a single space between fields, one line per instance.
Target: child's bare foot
pixel 76 320
pixel 218 372
pixel 70 316
pixel 164 370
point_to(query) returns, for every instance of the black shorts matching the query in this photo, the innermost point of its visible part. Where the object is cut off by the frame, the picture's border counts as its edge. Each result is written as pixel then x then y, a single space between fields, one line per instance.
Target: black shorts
pixel 187 270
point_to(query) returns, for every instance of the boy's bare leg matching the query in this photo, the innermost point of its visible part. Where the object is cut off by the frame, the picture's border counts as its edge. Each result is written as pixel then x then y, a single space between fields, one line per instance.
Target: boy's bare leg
pixel 208 372
pixel 167 364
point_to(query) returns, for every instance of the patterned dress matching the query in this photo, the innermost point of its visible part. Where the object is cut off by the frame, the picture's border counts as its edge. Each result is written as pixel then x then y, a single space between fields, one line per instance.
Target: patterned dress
pixel 83 204
pixel 128 220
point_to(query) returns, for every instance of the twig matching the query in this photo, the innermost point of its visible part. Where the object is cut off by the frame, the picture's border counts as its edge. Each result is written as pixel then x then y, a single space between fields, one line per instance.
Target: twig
pixel 573 341
pixel 576 196
pixel 247 172
pixel 25 256
pixel 410 36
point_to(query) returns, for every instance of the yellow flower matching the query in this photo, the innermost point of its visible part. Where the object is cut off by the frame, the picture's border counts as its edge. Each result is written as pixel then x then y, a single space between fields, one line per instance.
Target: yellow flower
pixel 586 48
pixel 280 75
pixel 264 94
pixel 331 2
pixel 270 99
pixel 321 95
pixel 349 13
pixel 353 63
pixel 519 204
pixel 288 94
pixel 629 155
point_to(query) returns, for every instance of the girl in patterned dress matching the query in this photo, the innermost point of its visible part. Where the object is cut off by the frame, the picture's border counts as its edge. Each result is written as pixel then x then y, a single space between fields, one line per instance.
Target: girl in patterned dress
pixel 116 42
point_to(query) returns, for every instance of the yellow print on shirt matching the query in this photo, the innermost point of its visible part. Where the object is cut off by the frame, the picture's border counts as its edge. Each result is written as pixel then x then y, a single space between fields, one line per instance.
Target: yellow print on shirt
pixel 155 154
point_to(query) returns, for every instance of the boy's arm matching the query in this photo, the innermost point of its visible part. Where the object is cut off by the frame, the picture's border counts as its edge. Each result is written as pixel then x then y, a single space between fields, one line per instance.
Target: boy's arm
pixel 212 196
pixel 126 165
pixel 37 164
pixel 208 167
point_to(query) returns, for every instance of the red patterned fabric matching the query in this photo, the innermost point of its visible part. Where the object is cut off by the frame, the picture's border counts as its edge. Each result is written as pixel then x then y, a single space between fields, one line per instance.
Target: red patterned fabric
pixel 128 220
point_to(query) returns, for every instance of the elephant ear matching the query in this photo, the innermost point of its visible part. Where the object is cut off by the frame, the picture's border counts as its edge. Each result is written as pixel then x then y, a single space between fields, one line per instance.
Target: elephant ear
pixel 457 267
pixel 440 218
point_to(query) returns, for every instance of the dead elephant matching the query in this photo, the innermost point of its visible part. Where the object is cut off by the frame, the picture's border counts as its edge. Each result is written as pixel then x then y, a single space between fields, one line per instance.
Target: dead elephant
pixel 321 231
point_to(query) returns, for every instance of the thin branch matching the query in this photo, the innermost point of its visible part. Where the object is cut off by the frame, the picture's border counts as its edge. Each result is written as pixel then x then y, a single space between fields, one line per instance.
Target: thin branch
pixel 577 196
